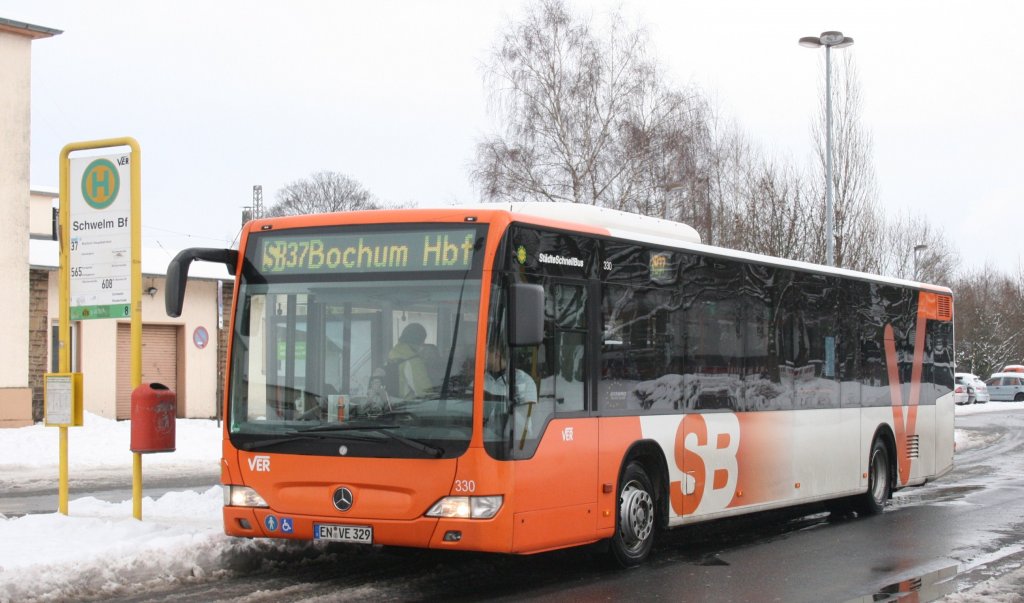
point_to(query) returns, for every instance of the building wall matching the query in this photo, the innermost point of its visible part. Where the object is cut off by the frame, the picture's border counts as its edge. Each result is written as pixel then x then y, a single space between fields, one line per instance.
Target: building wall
pixel 199 381
pixel 15 81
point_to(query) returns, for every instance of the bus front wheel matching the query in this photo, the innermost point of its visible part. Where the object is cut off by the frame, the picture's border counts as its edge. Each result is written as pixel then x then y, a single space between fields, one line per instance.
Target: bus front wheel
pixel 879 481
pixel 635 517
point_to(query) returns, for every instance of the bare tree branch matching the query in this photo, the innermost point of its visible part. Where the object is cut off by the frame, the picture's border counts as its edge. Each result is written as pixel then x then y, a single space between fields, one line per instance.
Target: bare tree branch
pixel 323 192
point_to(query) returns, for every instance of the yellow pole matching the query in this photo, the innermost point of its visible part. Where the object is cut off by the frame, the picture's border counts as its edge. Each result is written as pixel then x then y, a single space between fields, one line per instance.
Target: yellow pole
pixel 64 313
pixel 136 329
pixel 62 487
pixel 137 485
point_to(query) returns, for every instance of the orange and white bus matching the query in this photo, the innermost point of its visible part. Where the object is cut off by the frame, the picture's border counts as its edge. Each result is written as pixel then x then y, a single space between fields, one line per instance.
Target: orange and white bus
pixel 524 377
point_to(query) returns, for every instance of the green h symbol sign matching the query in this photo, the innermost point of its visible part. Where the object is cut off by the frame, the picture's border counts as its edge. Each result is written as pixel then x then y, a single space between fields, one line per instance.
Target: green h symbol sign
pixel 100 184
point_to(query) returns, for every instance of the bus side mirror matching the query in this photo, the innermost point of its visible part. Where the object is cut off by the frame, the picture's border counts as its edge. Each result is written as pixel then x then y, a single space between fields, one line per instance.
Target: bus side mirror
pixel 526 315
pixel 177 273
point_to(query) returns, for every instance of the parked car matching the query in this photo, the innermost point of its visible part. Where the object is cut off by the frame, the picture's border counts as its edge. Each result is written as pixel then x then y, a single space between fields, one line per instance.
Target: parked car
pixel 960 394
pixel 981 394
pixel 965 386
pixel 1006 386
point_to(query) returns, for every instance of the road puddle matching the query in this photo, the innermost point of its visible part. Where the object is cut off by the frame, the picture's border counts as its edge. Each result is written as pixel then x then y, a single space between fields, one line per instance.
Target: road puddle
pixel 942 496
pixel 928 587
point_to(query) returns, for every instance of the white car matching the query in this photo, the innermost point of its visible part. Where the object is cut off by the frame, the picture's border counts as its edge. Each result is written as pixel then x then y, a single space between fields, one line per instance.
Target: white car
pixel 981 394
pixel 971 387
pixel 977 392
pixel 963 391
pixel 1006 386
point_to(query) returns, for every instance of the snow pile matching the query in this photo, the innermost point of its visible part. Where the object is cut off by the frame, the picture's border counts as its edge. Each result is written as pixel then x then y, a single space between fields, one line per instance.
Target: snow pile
pixel 975 409
pixel 966 440
pixel 98 549
pixel 104 444
pixel 29 456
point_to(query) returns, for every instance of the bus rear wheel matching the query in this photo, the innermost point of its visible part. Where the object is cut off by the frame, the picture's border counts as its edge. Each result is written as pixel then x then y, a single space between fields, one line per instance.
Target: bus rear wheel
pixel 879 482
pixel 635 517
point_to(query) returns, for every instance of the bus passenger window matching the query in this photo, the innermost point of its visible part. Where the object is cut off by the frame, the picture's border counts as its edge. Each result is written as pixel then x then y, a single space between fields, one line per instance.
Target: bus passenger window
pixel 563 371
pixel 569 374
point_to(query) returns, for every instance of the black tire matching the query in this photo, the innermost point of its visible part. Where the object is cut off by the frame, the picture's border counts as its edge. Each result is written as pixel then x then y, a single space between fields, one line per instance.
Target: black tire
pixel 635 517
pixel 1019 397
pixel 879 481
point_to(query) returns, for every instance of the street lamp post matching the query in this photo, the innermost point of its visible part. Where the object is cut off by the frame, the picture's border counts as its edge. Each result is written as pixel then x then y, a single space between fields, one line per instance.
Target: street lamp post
pixel 917 249
pixel 830 40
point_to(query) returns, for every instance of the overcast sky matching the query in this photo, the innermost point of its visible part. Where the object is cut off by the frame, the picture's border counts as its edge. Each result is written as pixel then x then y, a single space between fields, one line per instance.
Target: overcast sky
pixel 225 95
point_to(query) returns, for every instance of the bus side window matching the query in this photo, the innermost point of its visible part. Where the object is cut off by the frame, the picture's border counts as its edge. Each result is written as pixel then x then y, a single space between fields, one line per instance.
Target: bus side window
pixel 562 380
pixel 570 372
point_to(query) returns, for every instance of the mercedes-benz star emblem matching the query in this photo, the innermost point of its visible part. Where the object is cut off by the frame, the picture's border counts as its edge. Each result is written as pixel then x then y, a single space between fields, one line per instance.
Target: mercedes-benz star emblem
pixel 343 499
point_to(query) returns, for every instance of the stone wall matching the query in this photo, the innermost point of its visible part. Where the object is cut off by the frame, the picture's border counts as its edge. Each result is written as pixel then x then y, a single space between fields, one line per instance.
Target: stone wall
pixel 38 338
pixel 222 344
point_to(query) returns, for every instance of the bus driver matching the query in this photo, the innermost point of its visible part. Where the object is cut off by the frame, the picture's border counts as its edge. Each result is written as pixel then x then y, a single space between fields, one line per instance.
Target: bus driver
pixel 496 388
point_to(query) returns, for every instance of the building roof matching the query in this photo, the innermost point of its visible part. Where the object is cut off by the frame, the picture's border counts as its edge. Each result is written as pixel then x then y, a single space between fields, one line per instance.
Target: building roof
pixel 45 255
pixel 45 191
pixel 27 29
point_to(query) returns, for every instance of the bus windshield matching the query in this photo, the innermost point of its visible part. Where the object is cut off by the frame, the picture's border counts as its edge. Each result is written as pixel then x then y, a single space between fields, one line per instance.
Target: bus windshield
pixel 344 343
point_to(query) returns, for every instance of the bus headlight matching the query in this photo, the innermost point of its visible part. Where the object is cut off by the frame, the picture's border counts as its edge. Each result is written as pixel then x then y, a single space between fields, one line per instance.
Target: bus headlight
pixel 241 496
pixel 467 507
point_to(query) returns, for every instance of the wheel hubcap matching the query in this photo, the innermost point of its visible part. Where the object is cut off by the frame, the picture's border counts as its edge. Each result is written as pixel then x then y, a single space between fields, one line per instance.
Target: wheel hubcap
pixel 636 516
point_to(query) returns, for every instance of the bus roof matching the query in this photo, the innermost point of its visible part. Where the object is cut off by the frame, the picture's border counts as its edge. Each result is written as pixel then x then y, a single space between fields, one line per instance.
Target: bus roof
pixel 667 233
pixel 619 224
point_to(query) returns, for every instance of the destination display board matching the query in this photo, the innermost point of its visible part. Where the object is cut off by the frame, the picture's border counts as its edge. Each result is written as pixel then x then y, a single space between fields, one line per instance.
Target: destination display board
pixel 298 252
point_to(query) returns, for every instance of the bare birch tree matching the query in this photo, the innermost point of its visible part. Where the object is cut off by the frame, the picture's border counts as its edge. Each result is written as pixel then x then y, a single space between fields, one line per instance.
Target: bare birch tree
pixel 323 192
pixel 857 218
pixel 585 117
pixel 774 217
pixel 936 263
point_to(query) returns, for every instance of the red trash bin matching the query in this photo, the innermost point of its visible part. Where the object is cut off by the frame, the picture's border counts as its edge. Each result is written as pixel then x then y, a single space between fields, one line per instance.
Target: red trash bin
pixel 154 407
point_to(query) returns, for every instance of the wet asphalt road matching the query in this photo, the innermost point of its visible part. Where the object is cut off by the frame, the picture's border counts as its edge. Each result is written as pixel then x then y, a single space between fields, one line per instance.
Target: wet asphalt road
pixel 930 541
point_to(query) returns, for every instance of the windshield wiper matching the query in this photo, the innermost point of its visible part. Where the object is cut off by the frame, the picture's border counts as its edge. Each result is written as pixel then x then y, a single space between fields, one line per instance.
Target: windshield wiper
pixel 383 429
pixel 269 443
pixel 325 432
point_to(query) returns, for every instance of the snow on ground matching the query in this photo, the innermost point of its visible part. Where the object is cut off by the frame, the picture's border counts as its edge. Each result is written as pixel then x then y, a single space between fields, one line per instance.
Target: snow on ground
pixel 966 440
pixel 99 550
pixel 29 456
